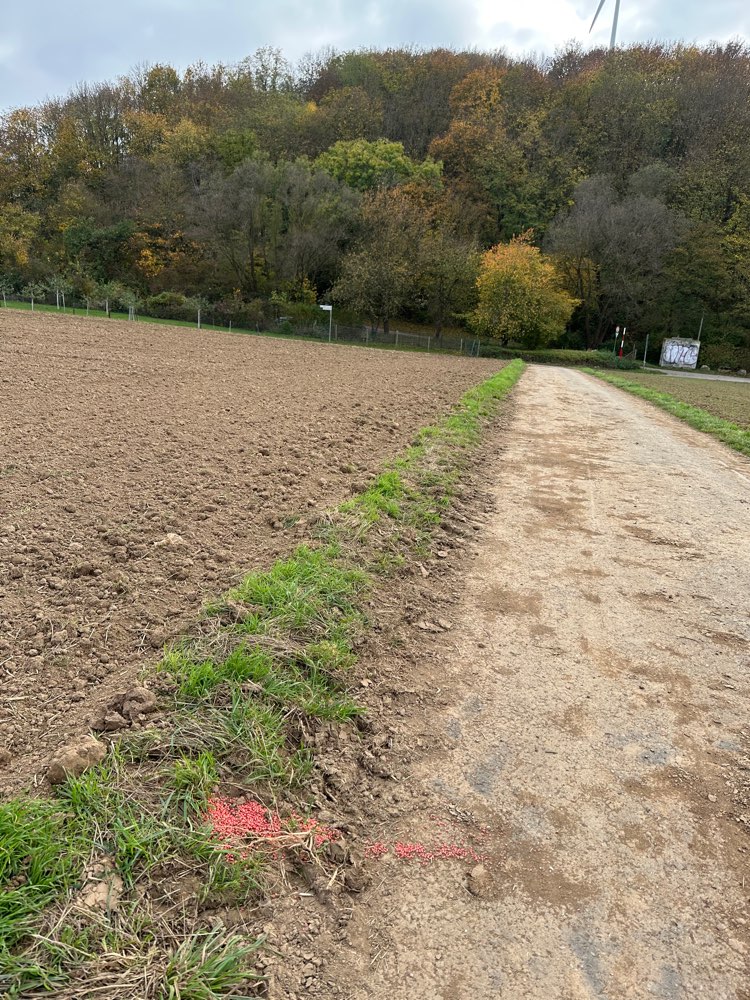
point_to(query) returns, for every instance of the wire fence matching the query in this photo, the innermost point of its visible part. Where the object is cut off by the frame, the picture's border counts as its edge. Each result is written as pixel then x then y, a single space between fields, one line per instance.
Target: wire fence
pixel 397 339
pixel 214 318
pixel 261 317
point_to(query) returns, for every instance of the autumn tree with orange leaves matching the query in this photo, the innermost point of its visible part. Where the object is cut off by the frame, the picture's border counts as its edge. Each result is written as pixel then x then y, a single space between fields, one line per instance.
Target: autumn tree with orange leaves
pixel 521 297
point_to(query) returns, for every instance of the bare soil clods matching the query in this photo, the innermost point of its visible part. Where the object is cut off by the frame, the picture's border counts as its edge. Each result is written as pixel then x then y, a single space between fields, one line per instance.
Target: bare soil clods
pixel 144 469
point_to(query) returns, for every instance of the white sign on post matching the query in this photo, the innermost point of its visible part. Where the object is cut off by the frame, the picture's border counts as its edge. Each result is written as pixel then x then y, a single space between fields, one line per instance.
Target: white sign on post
pixel 329 310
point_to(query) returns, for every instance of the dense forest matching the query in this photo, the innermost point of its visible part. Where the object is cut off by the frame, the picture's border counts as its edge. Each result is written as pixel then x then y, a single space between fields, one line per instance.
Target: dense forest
pixel 377 179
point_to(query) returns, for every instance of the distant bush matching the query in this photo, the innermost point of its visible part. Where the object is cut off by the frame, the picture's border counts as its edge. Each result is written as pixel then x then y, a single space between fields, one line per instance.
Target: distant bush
pixel 590 359
pixel 254 315
pixel 169 305
pixel 725 356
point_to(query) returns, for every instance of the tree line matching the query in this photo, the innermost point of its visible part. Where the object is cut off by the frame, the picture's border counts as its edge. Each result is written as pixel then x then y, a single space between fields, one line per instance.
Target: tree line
pixel 397 183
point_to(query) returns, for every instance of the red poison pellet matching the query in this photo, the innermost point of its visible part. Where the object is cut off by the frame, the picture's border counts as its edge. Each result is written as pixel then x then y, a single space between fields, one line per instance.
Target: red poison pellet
pixel 456 849
pixel 245 827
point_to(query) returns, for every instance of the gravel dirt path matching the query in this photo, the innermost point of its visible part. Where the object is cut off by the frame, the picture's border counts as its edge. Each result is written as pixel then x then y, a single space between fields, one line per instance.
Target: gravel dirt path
pixel 591 727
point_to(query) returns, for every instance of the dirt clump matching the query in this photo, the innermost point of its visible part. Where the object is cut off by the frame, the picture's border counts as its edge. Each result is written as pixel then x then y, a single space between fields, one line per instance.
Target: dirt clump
pixel 124 710
pixel 479 881
pixel 74 759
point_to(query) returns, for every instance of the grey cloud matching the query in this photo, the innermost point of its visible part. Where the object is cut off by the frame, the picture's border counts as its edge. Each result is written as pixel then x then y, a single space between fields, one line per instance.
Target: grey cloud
pixel 45 53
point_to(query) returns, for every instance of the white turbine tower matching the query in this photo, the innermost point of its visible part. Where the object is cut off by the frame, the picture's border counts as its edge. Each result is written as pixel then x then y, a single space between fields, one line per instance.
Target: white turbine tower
pixel 613 37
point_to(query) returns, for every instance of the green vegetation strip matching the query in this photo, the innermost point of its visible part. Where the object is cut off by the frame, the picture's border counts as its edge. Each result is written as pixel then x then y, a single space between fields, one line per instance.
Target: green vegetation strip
pixel 730 434
pixel 267 666
pixel 566 357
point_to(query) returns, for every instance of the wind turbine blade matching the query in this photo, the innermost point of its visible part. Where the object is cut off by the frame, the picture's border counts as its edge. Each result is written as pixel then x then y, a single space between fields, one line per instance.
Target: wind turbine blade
pixel 613 38
pixel 598 12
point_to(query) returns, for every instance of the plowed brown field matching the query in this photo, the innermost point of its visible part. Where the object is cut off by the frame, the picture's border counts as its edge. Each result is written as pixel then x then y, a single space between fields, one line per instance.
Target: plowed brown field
pixel 144 469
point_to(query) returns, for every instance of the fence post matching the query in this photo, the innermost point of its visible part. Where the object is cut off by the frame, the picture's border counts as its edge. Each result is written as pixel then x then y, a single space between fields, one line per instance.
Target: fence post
pixel 428 344
pixel 199 317
pixel 396 338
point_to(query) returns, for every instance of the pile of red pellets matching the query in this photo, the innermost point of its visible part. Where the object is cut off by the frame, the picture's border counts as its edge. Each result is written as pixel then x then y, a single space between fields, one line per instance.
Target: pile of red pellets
pixel 245 827
pixel 242 826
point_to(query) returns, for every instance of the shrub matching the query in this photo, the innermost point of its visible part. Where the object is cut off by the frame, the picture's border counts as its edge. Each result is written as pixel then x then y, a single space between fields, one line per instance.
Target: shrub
pixel 725 356
pixel 167 305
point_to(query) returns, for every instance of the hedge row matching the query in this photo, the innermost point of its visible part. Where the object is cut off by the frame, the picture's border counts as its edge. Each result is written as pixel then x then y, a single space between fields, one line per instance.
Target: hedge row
pixel 591 359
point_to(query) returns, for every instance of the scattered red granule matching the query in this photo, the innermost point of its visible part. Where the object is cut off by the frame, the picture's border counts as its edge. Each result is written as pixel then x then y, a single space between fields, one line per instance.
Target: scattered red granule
pixel 245 826
pixel 376 850
pixel 437 852
pixel 416 851
pixel 441 850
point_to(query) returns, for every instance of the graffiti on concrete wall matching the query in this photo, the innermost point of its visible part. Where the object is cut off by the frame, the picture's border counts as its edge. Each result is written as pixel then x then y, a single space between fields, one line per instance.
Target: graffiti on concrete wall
pixel 680 353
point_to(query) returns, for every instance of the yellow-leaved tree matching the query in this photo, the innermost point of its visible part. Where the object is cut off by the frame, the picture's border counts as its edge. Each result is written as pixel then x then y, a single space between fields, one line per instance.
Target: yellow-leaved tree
pixel 521 295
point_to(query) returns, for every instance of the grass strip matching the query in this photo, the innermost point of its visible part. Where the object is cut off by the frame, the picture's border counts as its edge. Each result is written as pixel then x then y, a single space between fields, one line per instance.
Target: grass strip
pixel 728 433
pixel 268 665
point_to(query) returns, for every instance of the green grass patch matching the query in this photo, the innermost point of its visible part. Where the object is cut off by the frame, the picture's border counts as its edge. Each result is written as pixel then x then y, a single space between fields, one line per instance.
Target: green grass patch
pixel 728 433
pixel 193 779
pixel 721 398
pixel 92 313
pixel 312 594
pixel 286 640
pixel 270 663
pixel 384 497
pixel 247 737
pixel 50 945
pixel 34 871
pixel 132 958
pixel 214 965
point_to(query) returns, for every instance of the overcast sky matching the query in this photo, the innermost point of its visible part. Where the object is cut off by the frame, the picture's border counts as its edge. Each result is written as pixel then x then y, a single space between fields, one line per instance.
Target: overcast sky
pixel 47 47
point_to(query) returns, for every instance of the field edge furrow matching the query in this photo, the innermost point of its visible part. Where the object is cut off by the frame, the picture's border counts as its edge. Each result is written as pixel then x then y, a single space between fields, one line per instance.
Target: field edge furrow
pixel 265 671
